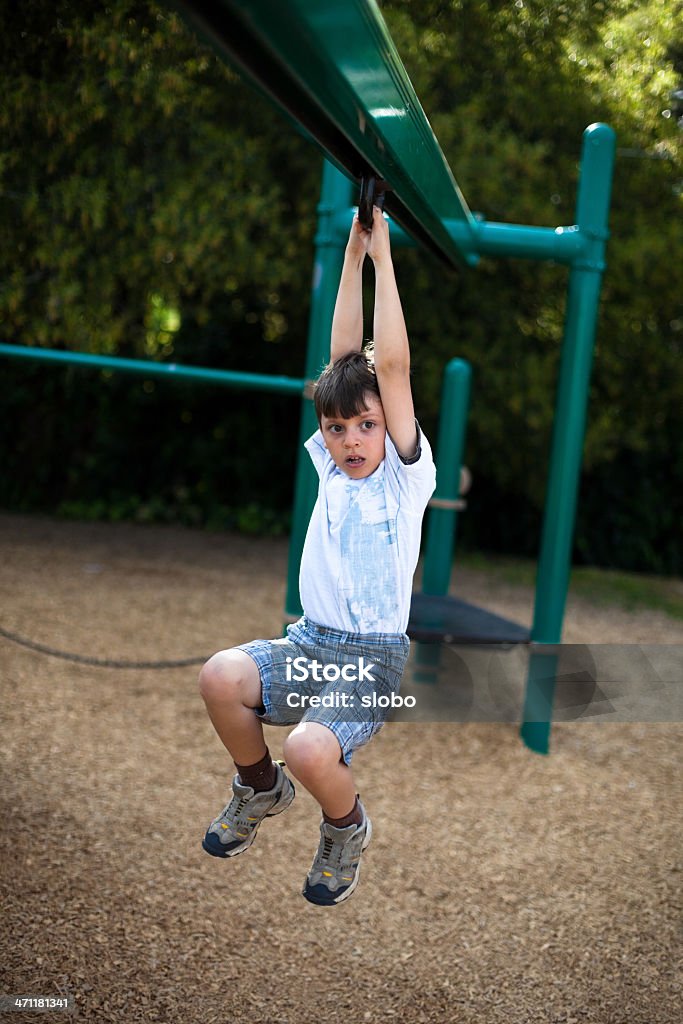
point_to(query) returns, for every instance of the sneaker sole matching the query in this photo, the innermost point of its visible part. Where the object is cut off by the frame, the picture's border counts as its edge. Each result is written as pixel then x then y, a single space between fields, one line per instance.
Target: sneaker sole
pixel 334 902
pixel 281 806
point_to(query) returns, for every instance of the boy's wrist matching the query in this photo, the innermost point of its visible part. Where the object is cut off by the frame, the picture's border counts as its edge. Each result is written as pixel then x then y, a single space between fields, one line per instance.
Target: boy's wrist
pixel 382 261
pixel 354 255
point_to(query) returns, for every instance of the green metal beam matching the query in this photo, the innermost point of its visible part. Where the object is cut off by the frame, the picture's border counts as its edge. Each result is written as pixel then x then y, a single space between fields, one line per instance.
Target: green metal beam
pixel 147 368
pixel 332 66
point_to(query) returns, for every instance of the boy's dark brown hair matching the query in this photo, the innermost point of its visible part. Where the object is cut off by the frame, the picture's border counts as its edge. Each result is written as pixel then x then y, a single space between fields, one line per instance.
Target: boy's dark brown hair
pixel 341 389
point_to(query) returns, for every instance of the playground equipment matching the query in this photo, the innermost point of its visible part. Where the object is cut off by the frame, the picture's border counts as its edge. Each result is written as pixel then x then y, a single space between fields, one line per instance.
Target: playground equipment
pixel 332 68
pixel 581 247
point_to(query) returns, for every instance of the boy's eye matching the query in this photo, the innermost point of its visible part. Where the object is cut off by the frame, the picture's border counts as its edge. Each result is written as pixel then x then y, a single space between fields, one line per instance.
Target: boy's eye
pixel 334 428
pixel 368 424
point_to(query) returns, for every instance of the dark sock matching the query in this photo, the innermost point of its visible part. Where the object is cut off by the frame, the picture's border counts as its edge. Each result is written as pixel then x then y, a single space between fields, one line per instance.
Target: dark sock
pixel 355 817
pixel 260 776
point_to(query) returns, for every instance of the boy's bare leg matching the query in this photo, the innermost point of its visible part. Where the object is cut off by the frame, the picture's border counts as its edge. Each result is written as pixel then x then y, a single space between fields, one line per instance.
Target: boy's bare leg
pixel 313 756
pixel 230 685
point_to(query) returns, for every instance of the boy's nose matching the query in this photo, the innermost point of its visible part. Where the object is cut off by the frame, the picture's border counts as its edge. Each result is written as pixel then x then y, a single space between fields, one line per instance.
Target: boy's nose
pixel 351 441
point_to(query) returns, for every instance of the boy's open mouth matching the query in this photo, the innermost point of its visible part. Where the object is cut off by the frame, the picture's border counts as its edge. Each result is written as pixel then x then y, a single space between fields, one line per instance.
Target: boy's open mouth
pixel 355 460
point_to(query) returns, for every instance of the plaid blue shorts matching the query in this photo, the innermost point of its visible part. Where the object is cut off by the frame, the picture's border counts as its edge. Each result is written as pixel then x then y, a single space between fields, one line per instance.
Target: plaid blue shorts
pixel 344 681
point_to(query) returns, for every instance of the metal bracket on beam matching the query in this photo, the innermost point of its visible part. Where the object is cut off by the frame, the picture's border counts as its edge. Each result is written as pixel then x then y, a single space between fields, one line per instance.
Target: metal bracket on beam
pixel 372 193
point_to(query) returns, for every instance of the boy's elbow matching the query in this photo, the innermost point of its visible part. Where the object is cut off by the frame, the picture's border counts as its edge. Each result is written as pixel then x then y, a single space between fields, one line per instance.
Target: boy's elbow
pixel 394 366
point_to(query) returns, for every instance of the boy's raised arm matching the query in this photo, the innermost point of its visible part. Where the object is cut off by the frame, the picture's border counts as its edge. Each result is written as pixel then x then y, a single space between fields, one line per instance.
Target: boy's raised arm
pixel 392 350
pixel 347 322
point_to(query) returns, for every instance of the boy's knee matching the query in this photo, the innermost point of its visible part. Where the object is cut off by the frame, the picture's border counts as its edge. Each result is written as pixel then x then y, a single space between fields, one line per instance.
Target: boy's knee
pixel 310 750
pixel 220 677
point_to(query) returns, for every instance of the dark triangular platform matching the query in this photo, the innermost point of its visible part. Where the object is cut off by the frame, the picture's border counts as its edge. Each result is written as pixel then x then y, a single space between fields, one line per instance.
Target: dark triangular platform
pixel 450 620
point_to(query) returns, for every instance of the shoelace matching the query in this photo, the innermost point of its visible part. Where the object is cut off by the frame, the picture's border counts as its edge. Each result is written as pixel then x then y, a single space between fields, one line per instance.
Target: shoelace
pixel 240 804
pixel 328 846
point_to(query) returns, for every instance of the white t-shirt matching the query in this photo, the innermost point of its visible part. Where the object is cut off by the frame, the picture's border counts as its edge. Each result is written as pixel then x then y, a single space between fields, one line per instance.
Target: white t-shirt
pixel 363 541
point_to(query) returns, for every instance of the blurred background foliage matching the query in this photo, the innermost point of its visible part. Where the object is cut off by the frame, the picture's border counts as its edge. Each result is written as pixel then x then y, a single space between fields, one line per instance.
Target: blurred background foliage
pixel 153 205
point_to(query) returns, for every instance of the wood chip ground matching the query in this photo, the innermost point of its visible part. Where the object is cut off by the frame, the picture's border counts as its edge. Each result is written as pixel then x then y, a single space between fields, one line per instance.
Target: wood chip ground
pixel 501 887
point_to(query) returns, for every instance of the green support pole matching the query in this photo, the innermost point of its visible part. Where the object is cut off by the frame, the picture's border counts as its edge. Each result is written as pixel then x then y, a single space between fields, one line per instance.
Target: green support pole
pixel 443 514
pixel 583 298
pixel 329 255
pixel 443 506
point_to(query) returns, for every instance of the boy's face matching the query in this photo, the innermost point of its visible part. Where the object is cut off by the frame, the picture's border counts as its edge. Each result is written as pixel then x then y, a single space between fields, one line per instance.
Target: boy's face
pixel 356 445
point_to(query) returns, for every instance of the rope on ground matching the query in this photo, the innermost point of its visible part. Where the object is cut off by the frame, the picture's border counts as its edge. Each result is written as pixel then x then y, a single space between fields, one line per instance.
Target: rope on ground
pixel 84 659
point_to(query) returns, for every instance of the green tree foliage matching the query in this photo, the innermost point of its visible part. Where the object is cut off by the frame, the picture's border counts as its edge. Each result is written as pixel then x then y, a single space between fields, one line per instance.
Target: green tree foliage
pixel 509 88
pixel 154 205
pixel 134 164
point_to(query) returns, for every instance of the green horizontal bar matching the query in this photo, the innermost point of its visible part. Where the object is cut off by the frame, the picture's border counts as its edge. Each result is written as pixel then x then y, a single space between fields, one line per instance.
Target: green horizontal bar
pixel 562 245
pixel 490 238
pixel 332 66
pixel 146 368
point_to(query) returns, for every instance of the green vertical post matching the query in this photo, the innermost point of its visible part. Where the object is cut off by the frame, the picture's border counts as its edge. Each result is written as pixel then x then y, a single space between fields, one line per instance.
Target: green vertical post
pixel 443 507
pixel 329 254
pixel 583 297
pixel 455 397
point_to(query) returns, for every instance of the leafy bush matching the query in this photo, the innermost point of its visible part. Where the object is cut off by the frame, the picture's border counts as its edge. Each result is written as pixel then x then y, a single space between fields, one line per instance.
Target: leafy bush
pixel 154 206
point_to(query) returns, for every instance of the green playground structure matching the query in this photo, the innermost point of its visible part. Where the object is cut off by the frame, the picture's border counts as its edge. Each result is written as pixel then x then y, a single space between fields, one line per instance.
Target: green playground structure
pixel 333 70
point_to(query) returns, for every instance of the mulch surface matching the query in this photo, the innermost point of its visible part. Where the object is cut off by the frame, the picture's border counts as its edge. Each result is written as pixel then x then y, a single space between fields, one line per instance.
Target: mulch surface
pixel 500 886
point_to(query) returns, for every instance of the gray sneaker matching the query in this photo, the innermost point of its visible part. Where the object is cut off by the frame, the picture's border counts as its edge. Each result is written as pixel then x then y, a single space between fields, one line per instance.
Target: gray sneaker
pixel 335 871
pixel 234 830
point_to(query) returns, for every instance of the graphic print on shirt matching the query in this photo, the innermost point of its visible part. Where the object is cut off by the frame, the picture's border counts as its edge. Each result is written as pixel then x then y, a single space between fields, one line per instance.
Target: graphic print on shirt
pixel 367 541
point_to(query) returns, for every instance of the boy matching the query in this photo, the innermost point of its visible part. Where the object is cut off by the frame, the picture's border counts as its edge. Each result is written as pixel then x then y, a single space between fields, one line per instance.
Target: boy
pixel 349 648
